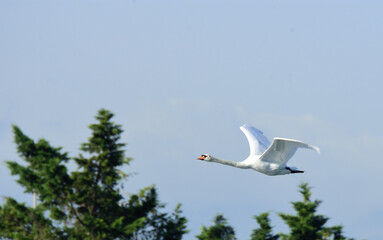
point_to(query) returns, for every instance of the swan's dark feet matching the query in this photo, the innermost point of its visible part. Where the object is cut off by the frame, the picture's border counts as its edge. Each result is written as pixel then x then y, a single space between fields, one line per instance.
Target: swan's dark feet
pixel 294 171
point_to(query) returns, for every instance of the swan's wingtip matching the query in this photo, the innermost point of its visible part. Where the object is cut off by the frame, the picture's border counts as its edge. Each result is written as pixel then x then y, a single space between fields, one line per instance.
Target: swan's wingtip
pixel 316 149
pixel 248 126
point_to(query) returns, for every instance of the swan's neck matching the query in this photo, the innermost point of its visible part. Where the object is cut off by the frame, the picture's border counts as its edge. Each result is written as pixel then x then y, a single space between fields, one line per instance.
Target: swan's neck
pixel 226 162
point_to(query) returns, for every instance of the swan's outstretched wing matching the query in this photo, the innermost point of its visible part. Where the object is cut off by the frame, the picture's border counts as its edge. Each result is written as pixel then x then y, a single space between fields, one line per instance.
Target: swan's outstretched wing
pixel 257 141
pixel 282 149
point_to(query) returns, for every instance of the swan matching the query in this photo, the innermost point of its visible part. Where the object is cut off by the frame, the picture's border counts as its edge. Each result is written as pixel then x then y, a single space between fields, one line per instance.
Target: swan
pixel 270 159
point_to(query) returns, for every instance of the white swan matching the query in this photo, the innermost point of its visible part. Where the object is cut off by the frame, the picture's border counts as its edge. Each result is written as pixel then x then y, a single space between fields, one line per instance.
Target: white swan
pixel 264 157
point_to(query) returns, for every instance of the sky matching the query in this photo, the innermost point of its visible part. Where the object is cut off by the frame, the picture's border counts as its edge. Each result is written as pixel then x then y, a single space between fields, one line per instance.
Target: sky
pixel 183 76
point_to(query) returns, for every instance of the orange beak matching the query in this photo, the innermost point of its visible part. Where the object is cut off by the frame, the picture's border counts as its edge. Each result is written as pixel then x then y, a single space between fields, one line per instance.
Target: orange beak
pixel 201 158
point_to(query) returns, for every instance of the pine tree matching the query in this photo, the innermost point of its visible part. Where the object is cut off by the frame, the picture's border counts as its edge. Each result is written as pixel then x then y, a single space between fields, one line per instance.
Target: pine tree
pixel 221 230
pixel 307 224
pixel 264 232
pixel 87 203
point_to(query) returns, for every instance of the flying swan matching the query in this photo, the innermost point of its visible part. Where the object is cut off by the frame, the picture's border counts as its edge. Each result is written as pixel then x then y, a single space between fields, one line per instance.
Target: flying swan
pixel 270 159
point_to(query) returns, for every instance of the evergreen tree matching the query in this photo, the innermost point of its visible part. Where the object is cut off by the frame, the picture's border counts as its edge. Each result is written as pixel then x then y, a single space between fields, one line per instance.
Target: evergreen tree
pixel 87 203
pixel 264 232
pixel 221 230
pixel 165 227
pixel 307 224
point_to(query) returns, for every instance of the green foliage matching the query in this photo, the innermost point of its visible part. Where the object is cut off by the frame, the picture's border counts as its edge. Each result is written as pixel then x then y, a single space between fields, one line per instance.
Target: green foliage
pixel 21 222
pixel 306 224
pixel 45 173
pixel 164 226
pixel 87 203
pixel 334 233
pixel 265 230
pixel 221 230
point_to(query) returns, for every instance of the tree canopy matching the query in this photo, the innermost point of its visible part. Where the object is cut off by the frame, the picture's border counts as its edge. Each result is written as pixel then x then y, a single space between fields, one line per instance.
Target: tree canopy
pixel 221 230
pixel 264 232
pixel 86 203
pixel 306 224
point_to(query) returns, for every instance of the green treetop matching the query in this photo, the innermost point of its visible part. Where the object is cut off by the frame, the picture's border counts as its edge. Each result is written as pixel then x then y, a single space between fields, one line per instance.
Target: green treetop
pixel 87 203
pixel 221 230
pixel 265 230
pixel 306 224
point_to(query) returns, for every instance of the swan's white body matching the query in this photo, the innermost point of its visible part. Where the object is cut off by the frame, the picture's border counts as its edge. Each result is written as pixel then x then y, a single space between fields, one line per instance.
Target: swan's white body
pixel 270 159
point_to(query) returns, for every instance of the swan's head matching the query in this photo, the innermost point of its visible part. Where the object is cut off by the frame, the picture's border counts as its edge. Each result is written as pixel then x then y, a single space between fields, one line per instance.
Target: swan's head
pixel 205 157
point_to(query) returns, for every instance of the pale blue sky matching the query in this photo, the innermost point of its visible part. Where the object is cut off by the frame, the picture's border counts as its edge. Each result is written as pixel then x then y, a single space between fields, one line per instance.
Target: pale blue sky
pixel 182 76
